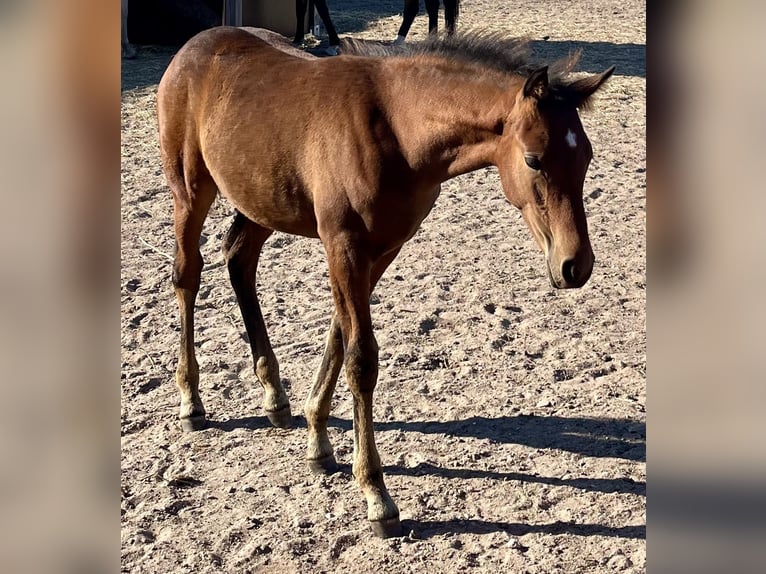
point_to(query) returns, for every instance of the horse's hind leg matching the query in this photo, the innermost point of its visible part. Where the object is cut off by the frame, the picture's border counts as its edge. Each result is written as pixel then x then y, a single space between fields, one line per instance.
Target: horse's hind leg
pixel 242 248
pixel 193 194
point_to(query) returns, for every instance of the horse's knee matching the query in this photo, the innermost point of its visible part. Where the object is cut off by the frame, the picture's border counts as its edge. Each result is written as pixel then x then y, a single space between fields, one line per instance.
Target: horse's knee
pixel 362 365
pixel 187 269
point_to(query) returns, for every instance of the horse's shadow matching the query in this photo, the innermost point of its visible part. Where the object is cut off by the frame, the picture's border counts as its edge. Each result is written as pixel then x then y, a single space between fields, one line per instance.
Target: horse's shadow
pixel 593 437
pixel 605 485
pixel 431 528
pixel 250 423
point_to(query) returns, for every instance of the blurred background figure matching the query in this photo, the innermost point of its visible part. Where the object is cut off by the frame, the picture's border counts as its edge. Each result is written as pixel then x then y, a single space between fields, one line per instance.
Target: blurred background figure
pixel 324 14
pixel 128 51
pixel 411 8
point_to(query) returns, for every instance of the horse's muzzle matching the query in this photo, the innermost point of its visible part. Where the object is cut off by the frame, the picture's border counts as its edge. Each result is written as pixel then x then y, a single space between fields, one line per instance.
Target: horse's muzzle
pixel 571 273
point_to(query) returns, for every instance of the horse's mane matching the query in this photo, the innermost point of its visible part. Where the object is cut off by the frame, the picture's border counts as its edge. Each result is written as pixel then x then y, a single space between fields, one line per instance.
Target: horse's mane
pixel 491 50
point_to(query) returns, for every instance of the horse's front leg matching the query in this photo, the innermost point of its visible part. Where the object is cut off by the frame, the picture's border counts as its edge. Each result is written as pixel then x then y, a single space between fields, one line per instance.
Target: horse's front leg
pixel 350 278
pixel 319 452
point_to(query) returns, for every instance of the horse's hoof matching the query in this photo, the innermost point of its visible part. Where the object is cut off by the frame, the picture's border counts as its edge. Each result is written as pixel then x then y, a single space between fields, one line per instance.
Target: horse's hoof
pixel 195 423
pixel 282 419
pixel 326 465
pixel 387 528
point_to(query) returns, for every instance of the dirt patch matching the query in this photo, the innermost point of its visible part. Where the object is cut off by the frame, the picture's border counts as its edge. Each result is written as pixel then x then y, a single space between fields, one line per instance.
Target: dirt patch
pixel 510 417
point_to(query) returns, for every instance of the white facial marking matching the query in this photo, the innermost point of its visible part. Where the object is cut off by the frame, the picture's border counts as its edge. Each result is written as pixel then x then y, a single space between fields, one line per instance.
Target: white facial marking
pixel 571 139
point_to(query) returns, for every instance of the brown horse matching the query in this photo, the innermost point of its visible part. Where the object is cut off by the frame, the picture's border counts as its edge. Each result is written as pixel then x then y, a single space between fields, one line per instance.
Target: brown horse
pixel 358 164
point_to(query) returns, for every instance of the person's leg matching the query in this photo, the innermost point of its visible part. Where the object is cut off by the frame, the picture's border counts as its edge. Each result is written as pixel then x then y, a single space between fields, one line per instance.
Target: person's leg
pixel 411 9
pixel 300 20
pixel 451 12
pixel 324 14
pixel 432 7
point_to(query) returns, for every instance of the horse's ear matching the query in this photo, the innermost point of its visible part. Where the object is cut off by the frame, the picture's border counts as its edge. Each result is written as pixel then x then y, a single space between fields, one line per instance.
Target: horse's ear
pixel 536 85
pixel 583 89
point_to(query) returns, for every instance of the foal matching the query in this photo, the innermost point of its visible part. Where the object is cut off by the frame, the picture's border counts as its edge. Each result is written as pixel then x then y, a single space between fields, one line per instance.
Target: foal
pixel 235 118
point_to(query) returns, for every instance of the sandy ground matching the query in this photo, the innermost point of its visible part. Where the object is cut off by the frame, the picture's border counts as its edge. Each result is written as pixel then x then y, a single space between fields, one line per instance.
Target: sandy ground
pixel 510 417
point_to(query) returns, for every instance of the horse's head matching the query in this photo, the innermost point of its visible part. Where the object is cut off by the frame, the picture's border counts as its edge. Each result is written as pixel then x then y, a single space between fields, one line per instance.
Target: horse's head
pixel 542 158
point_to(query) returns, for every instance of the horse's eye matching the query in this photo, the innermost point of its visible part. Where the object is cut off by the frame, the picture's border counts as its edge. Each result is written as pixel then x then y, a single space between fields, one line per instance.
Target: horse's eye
pixel 533 162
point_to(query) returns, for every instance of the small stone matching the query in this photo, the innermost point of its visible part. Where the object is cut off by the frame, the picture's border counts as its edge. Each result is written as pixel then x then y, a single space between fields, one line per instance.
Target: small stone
pixel 619 562
pixel 302 523
pixel 262 549
pixel 340 544
pixel 183 481
pixel 144 537
pixel 254 522
pixel 248 488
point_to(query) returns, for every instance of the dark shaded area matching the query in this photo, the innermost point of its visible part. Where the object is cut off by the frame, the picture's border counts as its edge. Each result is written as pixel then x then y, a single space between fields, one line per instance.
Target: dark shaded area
pixel 606 485
pixel 352 16
pixel 428 529
pixel 594 437
pixel 147 69
pixel 618 438
pixel 171 22
pixel 250 423
pixel 629 59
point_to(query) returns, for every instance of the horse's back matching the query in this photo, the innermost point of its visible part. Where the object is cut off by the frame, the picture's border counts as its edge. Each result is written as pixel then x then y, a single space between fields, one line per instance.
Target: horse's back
pixel 283 137
pixel 237 47
pixel 229 107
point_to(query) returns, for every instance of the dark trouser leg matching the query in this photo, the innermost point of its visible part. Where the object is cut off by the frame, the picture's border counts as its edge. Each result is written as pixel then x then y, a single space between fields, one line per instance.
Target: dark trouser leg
pixel 324 14
pixel 411 8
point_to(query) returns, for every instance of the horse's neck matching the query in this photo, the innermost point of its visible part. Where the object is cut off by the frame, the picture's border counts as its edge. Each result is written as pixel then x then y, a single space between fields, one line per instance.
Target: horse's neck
pixel 445 122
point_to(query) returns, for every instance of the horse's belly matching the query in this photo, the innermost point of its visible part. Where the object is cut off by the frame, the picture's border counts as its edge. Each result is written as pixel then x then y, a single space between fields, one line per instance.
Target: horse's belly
pixel 260 188
pixel 274 209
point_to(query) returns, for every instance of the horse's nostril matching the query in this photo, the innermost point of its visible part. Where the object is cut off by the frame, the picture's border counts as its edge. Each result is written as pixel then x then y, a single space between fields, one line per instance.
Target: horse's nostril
pixel 568 271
